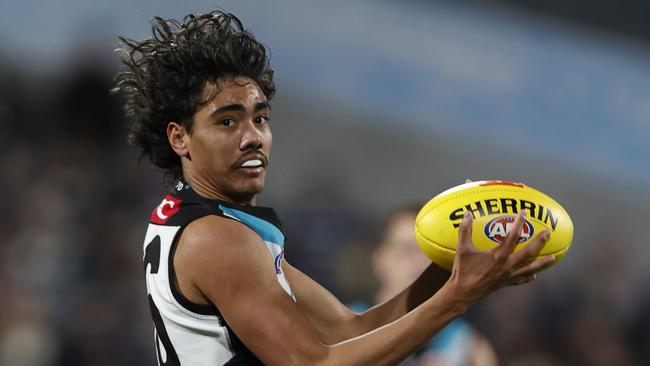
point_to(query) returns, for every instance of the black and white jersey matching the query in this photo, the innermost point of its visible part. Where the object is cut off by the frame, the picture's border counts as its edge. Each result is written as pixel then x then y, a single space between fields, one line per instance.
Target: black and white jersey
pixel 187 333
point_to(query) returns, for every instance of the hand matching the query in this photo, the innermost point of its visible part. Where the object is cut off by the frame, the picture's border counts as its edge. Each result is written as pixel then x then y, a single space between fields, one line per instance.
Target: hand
pixel 476 273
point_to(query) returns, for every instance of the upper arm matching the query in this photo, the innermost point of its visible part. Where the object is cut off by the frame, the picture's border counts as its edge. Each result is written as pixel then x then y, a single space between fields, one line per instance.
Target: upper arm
pixel 333 321
pixel 231 266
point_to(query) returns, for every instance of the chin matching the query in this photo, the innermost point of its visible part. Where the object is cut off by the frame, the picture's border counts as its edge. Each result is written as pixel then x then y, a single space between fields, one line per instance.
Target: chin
pixel 254 187
pixel 247 192
pixel 253 191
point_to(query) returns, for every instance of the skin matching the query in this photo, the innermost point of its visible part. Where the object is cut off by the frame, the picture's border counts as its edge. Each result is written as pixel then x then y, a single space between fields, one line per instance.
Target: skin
pixel 221 261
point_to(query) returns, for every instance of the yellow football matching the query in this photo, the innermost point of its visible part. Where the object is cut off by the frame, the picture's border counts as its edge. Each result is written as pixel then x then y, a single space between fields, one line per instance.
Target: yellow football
pixel 494 205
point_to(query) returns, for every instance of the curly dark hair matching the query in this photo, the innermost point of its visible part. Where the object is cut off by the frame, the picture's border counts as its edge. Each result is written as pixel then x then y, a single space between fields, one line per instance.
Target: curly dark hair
pixel 166 74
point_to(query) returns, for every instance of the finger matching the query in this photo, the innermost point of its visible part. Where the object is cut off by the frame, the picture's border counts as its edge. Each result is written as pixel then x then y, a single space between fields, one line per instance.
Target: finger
pixel 530 250
pixel 465 234
pixel 534 267
pixel 512 239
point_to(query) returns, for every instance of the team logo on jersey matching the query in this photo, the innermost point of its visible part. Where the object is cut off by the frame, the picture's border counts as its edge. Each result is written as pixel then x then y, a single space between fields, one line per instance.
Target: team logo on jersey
pixel 497 229
pixel 278 262
pixel 166 209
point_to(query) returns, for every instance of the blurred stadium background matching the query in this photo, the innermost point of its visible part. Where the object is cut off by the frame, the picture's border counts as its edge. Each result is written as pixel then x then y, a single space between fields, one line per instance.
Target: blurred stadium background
pixel 379 103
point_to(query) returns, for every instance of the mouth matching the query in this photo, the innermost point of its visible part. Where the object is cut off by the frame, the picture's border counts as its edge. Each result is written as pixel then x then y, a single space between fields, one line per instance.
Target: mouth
pixel 252 164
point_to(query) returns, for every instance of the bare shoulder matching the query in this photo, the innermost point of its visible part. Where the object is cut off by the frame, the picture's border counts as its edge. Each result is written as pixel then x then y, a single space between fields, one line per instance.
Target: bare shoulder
pixel 211 229
pixel 213 239
pixel 214 252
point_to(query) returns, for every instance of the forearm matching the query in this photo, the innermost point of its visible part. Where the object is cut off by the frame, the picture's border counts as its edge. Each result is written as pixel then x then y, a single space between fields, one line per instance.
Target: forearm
pixel 335 323
pixel 423 288
pixel 389 344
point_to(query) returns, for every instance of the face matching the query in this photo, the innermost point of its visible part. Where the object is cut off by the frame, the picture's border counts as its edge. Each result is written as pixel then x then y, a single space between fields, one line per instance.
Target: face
pixel 229 145
pixel 398 260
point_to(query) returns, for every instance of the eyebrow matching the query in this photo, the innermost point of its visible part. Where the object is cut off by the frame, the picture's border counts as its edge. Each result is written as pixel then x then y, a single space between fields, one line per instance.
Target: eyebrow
pixel 236 107
pixel 261 105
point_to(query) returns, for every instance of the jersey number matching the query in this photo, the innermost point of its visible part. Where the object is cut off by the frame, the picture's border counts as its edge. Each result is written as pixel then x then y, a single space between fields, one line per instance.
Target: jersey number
pixel 152 257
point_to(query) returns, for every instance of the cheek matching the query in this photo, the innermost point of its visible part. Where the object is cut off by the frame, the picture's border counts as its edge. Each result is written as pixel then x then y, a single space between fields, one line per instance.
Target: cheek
pixel 269 140
pixel 210 151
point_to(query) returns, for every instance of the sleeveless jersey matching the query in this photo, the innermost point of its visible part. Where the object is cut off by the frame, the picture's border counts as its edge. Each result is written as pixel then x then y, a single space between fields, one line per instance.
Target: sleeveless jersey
pixel 187 333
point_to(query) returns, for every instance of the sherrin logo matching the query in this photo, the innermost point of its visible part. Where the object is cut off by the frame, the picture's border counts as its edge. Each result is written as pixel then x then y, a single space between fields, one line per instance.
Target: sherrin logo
pixel 498 228
pixel 504 205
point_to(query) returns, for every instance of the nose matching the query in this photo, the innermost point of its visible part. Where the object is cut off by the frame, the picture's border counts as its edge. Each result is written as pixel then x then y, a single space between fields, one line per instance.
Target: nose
pixel 251 138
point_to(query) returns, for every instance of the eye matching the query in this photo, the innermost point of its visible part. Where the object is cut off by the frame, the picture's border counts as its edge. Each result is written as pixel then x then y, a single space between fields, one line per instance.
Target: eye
pixel 262 119
pixel 227 122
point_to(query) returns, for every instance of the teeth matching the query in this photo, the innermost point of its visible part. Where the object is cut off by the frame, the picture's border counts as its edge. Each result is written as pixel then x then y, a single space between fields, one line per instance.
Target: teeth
pixel 252 163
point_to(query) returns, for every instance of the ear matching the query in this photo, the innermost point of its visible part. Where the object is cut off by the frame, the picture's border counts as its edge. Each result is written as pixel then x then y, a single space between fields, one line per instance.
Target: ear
pixel 178 139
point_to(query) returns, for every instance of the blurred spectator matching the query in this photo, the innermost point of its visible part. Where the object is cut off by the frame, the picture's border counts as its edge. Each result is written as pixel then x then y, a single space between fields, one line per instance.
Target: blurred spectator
pixel 397 262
